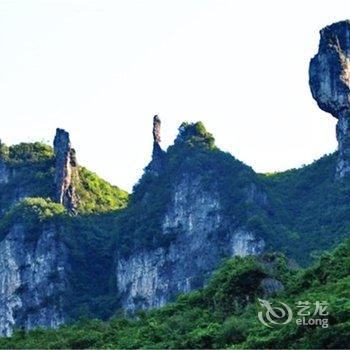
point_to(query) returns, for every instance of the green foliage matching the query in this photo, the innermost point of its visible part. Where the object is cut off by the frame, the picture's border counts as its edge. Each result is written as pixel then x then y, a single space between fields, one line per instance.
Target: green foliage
pixel 221 315
pixel 97 195
pixel 330 267
pixel 31 213
pixel 4 150
pixel 195 134
pixel 91 240
pixel 29 153
pixel 234 285
pixel 33 210
pixel 31 174
pixel 310 211
pixel 30 167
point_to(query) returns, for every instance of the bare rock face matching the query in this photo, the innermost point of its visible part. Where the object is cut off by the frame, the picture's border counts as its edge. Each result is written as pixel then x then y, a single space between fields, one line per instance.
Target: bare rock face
pixel 4 172
pixel 156 163
pixel 150 278
pixel 329 75
pixel 66 169
pixel 32 280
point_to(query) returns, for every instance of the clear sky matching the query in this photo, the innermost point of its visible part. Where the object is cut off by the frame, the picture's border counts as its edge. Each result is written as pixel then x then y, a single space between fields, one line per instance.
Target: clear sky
pixel 102 69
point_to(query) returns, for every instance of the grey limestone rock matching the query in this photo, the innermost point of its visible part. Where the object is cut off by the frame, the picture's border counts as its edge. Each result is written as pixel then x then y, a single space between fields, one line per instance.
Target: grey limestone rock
pixel 158 155
pixel 151 278
pixel 32 280
pixel 329 81
pixel 65 170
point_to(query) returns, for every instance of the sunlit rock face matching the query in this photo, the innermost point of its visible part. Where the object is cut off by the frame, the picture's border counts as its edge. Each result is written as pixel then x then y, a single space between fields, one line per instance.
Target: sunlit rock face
pixel 151 278
pixel 329 74
pixel 32 280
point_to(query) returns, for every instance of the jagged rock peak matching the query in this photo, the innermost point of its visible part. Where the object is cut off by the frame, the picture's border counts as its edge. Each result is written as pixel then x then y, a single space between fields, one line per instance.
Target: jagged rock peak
pixel 156 129
pixel 65 170
pixel 330 70
pixel 157 162
pixel 329 80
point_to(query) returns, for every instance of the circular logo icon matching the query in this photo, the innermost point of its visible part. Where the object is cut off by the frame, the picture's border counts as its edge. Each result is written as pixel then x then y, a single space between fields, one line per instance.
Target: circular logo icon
pixel 274 315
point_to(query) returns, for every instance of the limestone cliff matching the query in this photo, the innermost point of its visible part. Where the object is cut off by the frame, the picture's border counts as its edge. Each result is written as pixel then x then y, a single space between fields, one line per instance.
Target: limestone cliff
pixel 194 221
pixel 32 279
pixel 330 85
pixel 151 278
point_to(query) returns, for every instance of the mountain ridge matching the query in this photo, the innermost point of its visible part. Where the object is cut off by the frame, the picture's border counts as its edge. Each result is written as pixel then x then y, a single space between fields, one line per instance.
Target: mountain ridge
pixel 225 186
pixel 73 246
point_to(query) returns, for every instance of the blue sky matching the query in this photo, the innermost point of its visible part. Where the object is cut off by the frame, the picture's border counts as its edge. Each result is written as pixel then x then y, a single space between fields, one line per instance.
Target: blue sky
pixel 102 69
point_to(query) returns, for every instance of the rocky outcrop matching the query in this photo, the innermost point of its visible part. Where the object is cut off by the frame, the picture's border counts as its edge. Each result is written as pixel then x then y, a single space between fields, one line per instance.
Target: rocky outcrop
pixel 4 172
pixel 271 286
pixel 156 129
pixel 330 85
pixel 151 278
pixel 65 171
pixel 157 162
pixel 32 280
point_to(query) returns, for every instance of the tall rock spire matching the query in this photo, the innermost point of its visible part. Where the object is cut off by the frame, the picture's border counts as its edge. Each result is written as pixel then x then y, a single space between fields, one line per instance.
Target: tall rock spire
pixel 65 171
pixel 329 75
pixel 156 129
pixel 156 164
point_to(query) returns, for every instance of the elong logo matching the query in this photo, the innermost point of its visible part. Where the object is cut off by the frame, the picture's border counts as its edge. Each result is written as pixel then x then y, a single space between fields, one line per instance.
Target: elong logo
pixel 282 313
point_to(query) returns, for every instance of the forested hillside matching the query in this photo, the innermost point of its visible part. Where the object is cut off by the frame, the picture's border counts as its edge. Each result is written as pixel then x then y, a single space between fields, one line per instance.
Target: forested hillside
pixel 224 313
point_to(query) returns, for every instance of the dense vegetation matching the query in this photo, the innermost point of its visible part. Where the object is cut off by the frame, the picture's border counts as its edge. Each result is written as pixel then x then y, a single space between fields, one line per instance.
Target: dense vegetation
pixel 91 240
pixel 309 211
pixel 223 314
pixel 30 171
pixel 97 195
pixel 32 214
pixel 30 168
